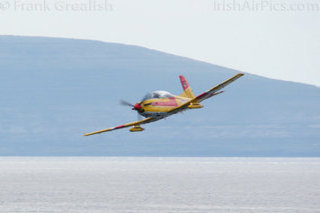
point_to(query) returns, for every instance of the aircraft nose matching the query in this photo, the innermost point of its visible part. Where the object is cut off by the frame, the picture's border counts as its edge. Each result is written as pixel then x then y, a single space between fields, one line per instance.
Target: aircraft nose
pixel 137 106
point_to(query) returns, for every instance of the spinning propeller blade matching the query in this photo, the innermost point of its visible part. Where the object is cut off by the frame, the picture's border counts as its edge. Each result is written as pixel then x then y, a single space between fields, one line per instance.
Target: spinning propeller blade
pixel 126 103
pixel 134 107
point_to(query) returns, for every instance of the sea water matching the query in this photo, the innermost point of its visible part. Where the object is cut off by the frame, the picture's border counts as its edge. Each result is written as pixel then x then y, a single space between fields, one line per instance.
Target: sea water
pixel 125 184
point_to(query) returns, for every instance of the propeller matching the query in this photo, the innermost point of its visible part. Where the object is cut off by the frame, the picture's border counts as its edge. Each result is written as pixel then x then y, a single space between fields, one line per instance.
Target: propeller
pixel 126 103
pixel 136 106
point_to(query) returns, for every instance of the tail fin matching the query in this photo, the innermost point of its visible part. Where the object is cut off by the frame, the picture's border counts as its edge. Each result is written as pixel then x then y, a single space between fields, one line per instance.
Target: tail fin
pixel 187 89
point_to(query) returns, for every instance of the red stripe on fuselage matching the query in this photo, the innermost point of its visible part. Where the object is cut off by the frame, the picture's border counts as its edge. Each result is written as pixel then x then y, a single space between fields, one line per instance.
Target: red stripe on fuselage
pixel 172 102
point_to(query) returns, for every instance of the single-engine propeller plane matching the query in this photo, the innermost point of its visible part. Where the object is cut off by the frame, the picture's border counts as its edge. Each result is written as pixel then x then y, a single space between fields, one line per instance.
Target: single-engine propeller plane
pixel 161 104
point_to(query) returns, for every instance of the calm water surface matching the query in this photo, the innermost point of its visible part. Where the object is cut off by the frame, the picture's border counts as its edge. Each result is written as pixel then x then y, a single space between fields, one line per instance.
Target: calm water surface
pixel 79 185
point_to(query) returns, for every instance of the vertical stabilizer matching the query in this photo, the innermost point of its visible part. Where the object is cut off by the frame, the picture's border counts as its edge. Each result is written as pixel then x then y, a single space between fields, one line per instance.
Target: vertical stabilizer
pixel 187 89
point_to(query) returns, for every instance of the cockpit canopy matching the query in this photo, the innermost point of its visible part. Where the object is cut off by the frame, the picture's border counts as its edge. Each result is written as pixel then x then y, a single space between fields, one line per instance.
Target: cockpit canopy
pixel 157 94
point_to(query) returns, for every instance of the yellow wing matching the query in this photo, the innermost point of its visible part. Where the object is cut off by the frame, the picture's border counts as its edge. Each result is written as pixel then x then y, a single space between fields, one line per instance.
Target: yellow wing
pixel 211 92
pixel 147 120
pixel 208 94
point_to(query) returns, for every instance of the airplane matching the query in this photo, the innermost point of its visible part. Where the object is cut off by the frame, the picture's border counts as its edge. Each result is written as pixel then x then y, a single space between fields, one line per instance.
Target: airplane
pixel 161 104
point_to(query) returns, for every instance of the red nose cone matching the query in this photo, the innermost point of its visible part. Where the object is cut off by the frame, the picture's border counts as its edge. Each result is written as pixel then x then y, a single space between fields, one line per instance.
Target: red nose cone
pixel 137 106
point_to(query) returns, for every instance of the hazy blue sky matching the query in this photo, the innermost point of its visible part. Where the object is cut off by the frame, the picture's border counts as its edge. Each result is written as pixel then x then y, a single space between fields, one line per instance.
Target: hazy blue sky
pixel 278 39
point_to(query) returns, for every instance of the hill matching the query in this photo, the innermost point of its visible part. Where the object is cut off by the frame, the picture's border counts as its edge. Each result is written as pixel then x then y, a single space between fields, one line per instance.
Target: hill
pixel 53 90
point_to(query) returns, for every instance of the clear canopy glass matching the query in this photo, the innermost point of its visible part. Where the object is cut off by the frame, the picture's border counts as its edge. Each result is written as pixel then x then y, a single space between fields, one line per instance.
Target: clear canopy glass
pixel 157 94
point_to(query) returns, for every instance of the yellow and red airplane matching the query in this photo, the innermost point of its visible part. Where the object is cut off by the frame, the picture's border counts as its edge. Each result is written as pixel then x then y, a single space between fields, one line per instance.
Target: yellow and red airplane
pixel 161 104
